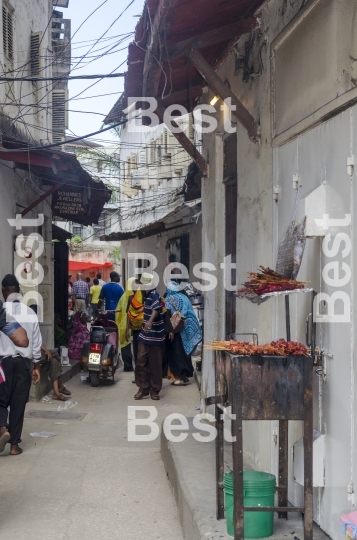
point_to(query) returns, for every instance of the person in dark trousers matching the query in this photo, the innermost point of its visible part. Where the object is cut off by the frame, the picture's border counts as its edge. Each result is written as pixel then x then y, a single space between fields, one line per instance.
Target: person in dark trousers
pixel 111 294
pixel 16 364
pixel 151 344
pixel 88 295
pixel 17 334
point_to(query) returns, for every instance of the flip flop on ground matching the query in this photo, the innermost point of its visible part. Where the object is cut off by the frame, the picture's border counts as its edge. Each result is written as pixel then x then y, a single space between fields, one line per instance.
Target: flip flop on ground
pixel 4 439
pixel 59 398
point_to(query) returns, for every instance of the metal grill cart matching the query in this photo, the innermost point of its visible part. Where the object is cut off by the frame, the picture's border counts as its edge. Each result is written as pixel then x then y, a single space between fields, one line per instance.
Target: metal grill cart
pixel 265 388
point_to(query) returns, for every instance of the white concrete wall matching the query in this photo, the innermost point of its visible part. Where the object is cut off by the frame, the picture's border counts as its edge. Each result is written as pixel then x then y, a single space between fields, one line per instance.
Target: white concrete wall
pixel 159 179
pixel 16 193
pixel 259 228
pixel 19 97
pixel 17 188
pixel 254 210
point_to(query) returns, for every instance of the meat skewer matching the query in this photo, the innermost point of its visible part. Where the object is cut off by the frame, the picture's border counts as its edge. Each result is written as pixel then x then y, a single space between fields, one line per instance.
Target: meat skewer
pixel 267 281
pixel 275 348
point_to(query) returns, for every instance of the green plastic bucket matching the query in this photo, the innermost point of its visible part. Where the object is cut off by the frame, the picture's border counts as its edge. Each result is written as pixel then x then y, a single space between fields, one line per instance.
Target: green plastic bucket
pixel 259 490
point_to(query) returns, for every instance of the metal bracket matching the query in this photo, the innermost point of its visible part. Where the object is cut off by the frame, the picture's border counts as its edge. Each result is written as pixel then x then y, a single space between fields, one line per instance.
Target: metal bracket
pixel 216 400
pixel 350 165
pixel 321 358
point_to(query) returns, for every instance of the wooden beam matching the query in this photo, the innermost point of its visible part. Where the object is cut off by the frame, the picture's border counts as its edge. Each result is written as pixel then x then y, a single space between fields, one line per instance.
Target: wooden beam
pixel 56 187
pixel 189 147
pixel 221 89
pixel 214 37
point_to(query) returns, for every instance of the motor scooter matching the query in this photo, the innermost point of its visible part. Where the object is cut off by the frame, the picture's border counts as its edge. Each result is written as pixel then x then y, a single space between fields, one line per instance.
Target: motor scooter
pixel 100 356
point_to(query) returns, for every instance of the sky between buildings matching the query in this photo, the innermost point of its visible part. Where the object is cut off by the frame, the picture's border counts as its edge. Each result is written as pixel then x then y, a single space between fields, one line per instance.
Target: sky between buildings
pixel 83 39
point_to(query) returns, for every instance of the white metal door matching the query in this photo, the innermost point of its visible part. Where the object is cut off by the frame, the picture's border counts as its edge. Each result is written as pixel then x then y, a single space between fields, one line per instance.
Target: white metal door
pixel 320 156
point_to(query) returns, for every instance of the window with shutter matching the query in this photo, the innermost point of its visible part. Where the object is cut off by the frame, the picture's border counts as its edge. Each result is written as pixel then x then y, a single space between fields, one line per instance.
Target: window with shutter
pixel 152 152
pixel 191 133
pixel 142 157
pixel 59 115
pixel 8 34
pixel 134 162
pixel 165 142
pixel 35 56
pixel 77 230
pixel 102 224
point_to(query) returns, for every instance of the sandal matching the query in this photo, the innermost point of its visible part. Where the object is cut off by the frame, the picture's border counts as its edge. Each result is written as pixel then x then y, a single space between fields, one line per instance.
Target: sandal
pixel 59 398
pixel 65 392
pixel 4 439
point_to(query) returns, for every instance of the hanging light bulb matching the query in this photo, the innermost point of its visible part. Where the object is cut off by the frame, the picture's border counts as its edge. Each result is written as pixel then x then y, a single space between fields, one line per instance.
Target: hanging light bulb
pixel 214 100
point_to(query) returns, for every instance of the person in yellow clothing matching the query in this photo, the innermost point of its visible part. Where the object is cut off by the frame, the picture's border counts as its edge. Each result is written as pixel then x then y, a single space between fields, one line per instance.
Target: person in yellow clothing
pixel 94 293
pixel 121 320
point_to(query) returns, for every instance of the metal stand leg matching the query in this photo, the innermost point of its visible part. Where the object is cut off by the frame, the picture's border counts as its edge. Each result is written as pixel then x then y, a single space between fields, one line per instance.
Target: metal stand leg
pixel 238 515
pixel 219 450
pixel 308 454
pixel 287 317
pixel 283 466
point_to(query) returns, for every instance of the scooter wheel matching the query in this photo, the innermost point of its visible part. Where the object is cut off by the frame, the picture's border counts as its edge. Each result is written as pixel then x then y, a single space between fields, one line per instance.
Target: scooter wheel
pixel 94 378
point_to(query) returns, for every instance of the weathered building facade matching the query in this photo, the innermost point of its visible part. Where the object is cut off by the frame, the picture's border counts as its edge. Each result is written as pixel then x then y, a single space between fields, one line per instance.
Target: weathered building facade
pixel 154 216
pixel 37 180
pixel 289 68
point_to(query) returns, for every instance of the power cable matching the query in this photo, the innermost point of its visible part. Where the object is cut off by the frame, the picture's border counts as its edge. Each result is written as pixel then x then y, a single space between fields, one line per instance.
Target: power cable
pixel 61 78
pixel 69 42
pixel 54 145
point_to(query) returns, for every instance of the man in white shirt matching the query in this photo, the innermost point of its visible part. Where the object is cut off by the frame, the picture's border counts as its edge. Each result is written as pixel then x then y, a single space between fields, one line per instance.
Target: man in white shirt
pixel 16 364
pixel 101 281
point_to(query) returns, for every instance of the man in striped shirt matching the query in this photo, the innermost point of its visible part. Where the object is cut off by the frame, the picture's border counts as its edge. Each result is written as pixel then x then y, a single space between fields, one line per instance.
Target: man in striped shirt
pixel 151 343
pixel 80 290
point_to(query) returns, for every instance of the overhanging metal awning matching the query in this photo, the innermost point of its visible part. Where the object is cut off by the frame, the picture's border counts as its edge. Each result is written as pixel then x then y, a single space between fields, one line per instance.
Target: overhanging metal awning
pixel 184 214
pixel 191 38
pixel 62 173
pixel 60 234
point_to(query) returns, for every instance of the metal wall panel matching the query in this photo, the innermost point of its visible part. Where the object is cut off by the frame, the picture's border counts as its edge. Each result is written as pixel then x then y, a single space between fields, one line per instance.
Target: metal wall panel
pixel 318 156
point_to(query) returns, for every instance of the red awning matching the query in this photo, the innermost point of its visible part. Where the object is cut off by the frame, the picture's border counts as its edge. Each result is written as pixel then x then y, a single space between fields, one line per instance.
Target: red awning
pixel 75 266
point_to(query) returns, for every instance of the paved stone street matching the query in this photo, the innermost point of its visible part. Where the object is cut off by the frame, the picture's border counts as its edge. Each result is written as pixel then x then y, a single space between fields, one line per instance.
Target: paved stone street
pixel 88 482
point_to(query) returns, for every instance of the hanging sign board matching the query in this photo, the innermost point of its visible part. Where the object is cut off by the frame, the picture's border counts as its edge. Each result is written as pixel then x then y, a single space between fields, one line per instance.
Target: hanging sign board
pixel 68 202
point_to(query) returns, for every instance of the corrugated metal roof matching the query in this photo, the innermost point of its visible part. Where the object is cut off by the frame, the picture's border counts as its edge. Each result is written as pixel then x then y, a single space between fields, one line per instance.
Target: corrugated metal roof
pixel 55 167
pixel 180 216
pixel 188 19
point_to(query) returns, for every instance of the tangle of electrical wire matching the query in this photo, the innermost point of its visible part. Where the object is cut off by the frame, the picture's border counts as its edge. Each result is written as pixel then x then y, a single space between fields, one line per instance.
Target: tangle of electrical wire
pixel 21 112
pixel 157 197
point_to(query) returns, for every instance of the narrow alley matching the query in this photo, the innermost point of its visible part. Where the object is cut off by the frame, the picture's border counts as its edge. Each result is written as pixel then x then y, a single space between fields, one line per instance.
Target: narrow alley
pixel 177 199
pixel 88 481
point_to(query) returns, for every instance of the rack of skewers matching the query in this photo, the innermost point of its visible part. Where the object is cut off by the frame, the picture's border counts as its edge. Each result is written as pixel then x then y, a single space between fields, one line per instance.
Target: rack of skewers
pixel 281 347
pixel 266 282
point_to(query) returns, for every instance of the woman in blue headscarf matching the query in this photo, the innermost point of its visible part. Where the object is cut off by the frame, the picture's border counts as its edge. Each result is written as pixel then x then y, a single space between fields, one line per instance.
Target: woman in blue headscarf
pixel 181 345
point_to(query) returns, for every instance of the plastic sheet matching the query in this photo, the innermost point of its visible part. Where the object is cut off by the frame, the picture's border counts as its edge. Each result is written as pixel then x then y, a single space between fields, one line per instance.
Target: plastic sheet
pixel 291 250
pixel 43 434
pixel 67 405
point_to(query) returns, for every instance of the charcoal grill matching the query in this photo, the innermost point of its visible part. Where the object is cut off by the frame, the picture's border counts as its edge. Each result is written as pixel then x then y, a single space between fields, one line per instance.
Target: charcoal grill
pixel 265 388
